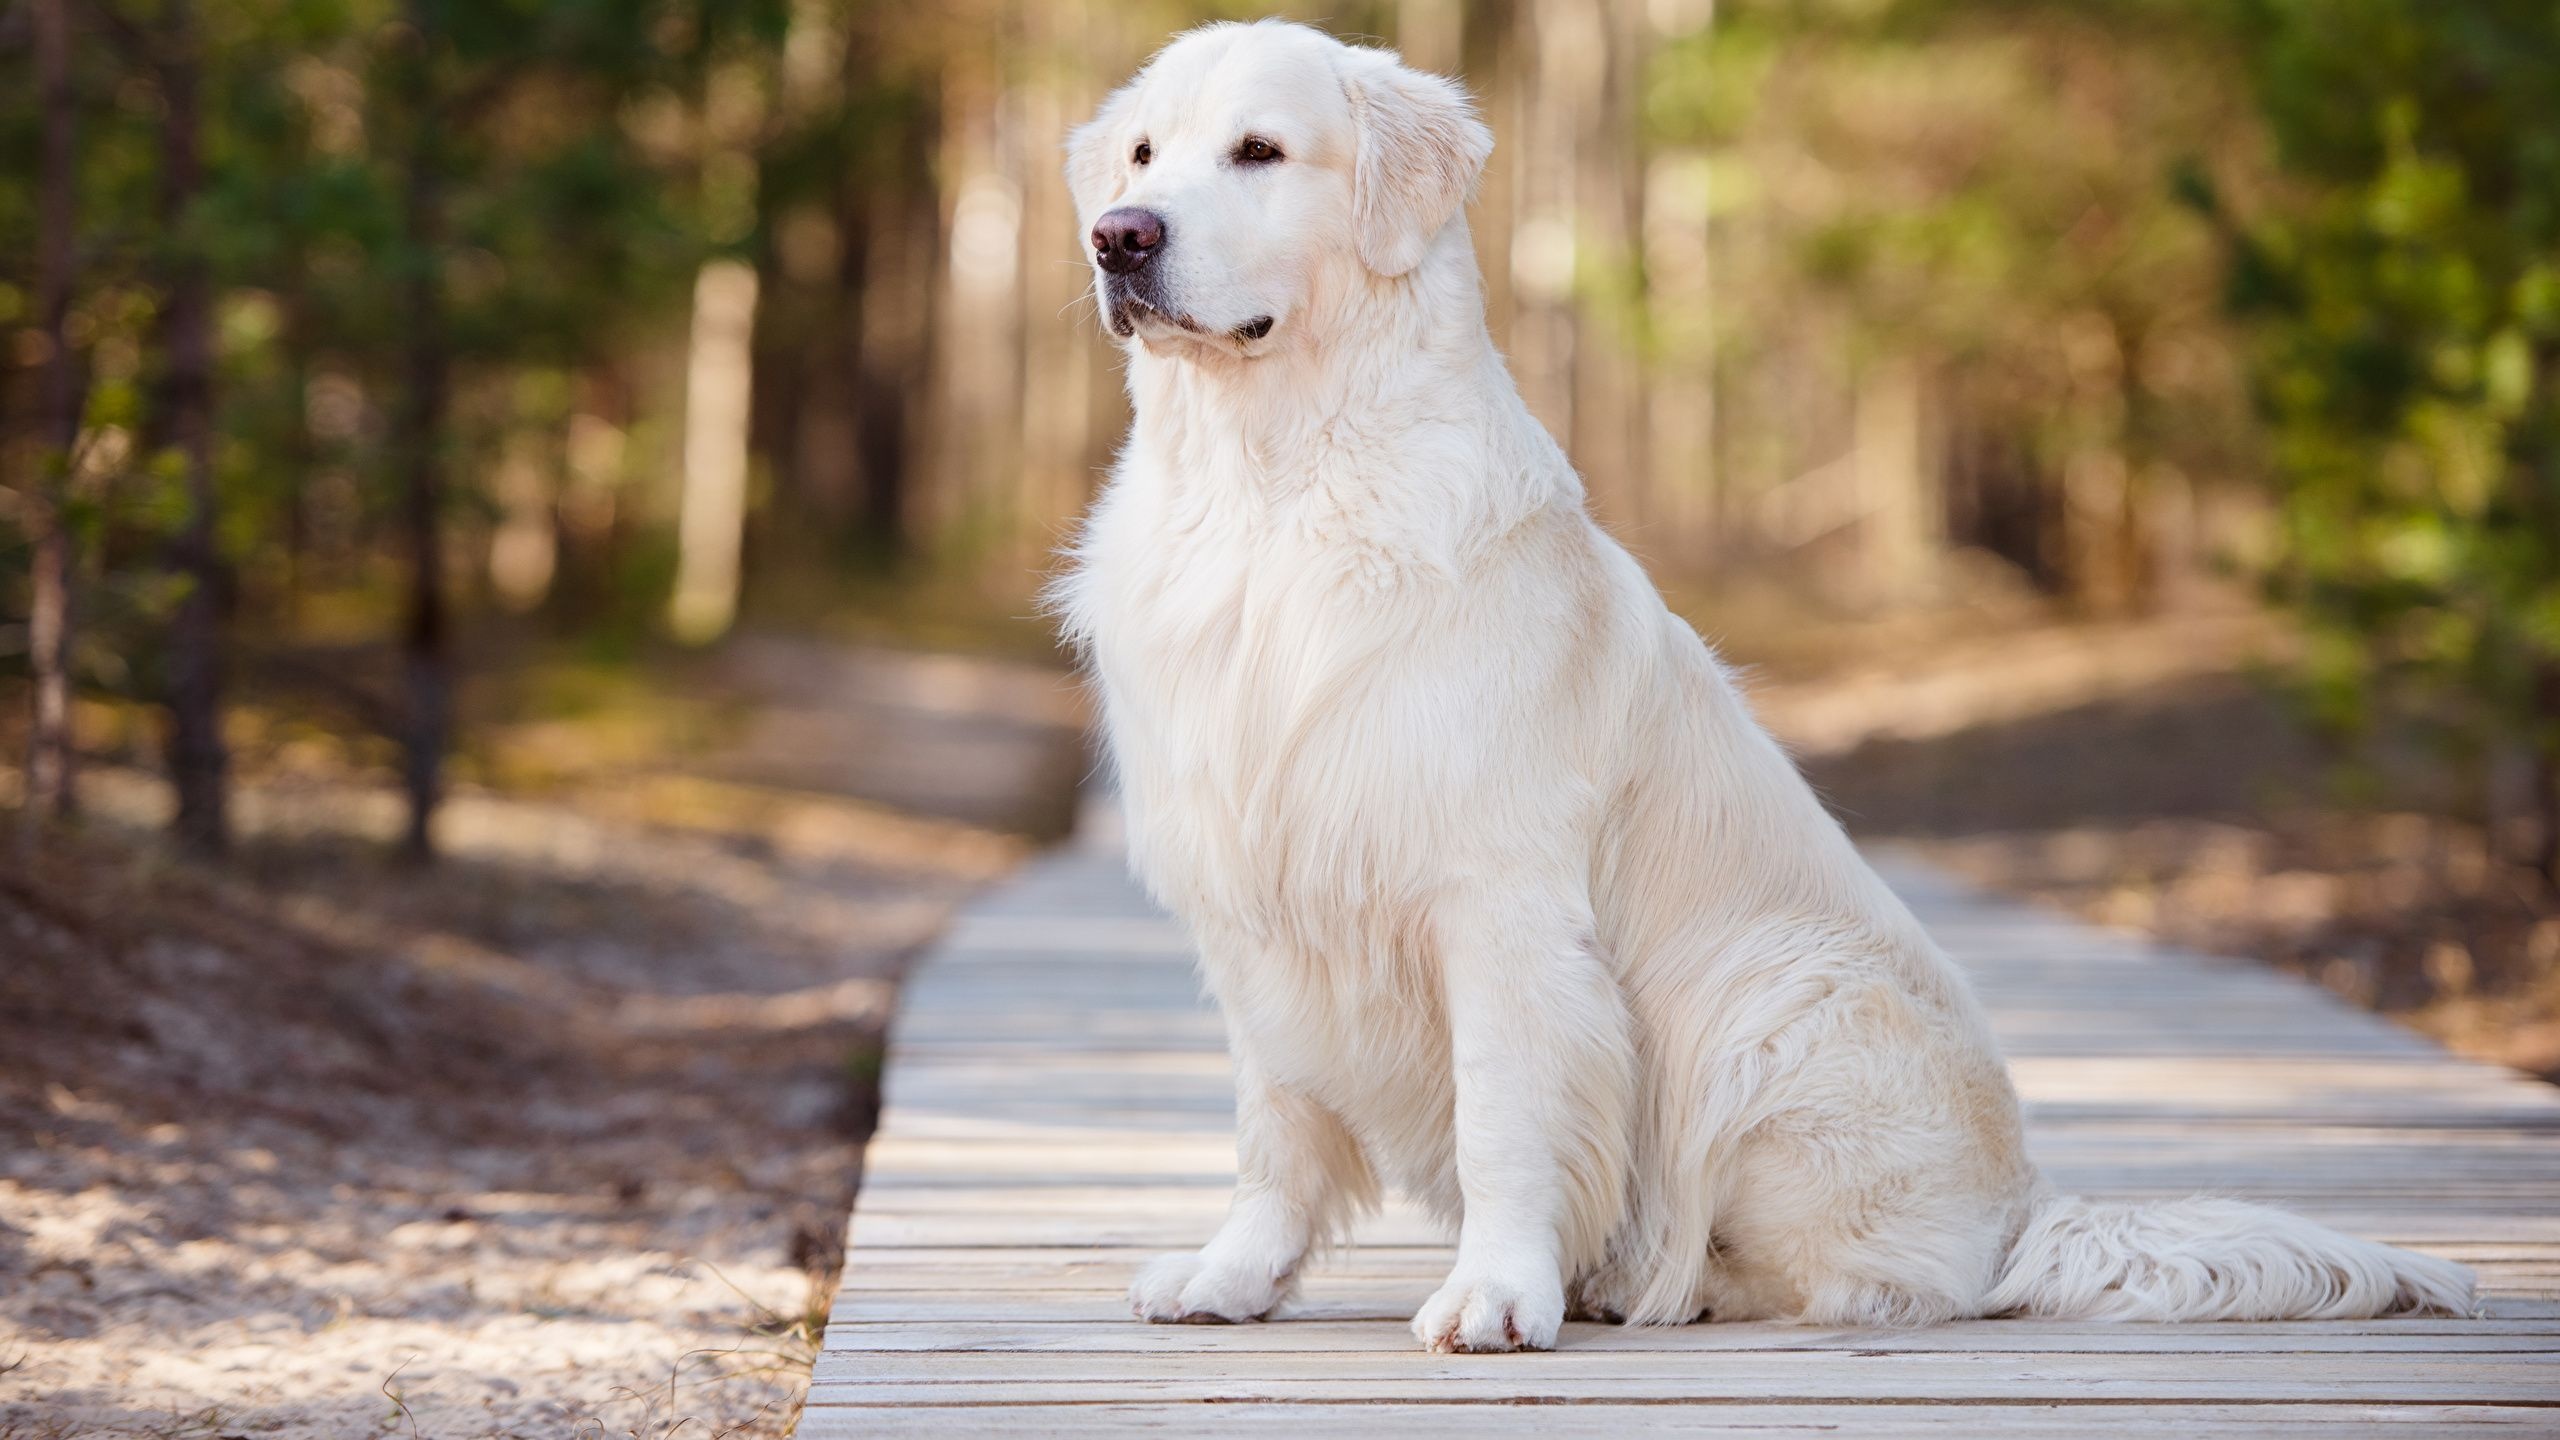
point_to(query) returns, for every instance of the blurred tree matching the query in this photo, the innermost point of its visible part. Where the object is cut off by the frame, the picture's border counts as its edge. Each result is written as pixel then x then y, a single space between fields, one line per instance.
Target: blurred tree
pixel 532 228
pixel 421 97
pixel 849 214
pixel 2404 287
pixel 52 756
pixel 181 415
pixel 1958 304
pixel 338 262
pixel 720 352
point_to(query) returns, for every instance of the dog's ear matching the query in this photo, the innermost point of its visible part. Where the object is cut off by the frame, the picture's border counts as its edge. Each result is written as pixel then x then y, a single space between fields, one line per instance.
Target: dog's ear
pixel 1421 149
pixel 1093 152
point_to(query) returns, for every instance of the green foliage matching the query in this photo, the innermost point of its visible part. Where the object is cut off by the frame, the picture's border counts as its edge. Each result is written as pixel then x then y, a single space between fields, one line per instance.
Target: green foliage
pixel 569 141
pixel 1980 190
pixel 2403 289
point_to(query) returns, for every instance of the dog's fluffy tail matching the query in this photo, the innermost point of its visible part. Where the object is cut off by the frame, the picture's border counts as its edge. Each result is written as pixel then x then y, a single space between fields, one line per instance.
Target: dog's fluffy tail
pixel 2208 1259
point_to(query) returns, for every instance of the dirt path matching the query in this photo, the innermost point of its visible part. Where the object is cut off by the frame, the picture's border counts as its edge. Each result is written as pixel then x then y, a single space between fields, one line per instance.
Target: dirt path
pixel 2146 775
pixel 555 1140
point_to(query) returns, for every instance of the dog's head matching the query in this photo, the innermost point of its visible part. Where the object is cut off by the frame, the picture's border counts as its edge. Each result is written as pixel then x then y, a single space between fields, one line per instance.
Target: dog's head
pixel 1248 168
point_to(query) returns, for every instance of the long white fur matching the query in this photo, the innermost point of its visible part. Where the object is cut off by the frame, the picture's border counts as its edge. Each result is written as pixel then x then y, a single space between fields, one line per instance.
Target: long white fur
pixel 1506 898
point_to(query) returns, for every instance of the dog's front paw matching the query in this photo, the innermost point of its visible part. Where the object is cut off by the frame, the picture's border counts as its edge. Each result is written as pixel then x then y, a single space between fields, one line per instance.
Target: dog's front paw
pixel 1185 1289
pixel 1480 1314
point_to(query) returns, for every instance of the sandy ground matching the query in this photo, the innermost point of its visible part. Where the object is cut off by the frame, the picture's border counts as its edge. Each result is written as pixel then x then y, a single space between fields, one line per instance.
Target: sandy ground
pixel 554 1140
pixel 2148 776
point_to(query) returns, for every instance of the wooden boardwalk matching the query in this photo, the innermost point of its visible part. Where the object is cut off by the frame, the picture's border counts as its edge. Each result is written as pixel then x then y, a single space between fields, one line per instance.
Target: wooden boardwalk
pixel 1057 1111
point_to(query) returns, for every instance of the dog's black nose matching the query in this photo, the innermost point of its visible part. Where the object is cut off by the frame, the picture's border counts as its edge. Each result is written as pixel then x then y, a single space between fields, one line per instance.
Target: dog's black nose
pixel 1126 238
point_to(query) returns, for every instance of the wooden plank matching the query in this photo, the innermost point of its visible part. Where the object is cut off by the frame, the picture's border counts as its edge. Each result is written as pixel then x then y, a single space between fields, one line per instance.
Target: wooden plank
pixel 1057 1110
pixel 1876 1369
pixel 1735 1422
pixel 1392 1301
pixel 2522 1296
pixel 1114 1335
pixel 1845 1377
pixel 1029 1219
pixel 1015 1267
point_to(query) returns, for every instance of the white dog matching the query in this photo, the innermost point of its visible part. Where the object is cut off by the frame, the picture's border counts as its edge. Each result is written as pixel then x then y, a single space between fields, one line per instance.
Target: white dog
pixel 1505 896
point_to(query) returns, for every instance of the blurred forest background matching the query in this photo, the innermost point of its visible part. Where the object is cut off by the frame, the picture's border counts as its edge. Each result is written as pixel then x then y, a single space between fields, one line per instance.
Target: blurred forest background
pixel 579 438
pixel 345 334
pixel 373 366
pixel 379 371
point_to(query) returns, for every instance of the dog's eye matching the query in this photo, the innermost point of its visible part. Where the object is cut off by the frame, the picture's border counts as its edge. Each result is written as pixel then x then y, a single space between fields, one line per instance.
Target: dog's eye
pixel 1144 153
pixel 1254 150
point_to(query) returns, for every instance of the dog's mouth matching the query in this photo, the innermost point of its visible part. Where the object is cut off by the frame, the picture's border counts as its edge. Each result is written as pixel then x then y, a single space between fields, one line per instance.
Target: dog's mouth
pixel 1128 312
pixel 1131 308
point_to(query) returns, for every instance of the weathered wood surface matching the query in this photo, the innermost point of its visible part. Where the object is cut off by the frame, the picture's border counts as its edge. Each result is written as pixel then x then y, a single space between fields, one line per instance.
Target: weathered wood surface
pixel 1057 1110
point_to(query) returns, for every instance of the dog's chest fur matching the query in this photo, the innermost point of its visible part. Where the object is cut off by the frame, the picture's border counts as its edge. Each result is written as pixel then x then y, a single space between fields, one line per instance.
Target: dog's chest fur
pixel 1293 700
pixel 1241 648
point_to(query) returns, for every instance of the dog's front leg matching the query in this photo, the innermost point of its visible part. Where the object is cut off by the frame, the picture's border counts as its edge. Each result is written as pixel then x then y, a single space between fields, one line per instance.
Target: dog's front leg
pixel 1544 1076
pixel 1298 1175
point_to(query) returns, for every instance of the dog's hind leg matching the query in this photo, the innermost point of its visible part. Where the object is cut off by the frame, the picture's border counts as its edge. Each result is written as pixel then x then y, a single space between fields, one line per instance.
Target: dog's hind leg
pixel 1885 1183
pixel 1299 1176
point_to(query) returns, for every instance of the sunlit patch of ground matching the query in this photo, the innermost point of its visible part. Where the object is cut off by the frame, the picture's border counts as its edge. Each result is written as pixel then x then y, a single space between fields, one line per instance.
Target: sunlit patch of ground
pixel 2402 913
pixel 555 1139
pixel 2145 775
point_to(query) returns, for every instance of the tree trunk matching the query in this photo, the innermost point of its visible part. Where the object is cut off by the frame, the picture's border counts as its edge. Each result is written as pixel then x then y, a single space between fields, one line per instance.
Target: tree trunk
pixel 875 459
pixel 299 454
pixel 52 760
pixel 199 764
pixel 418 442
pixel 1897 491
pixel 2545 855
pixel 719 382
